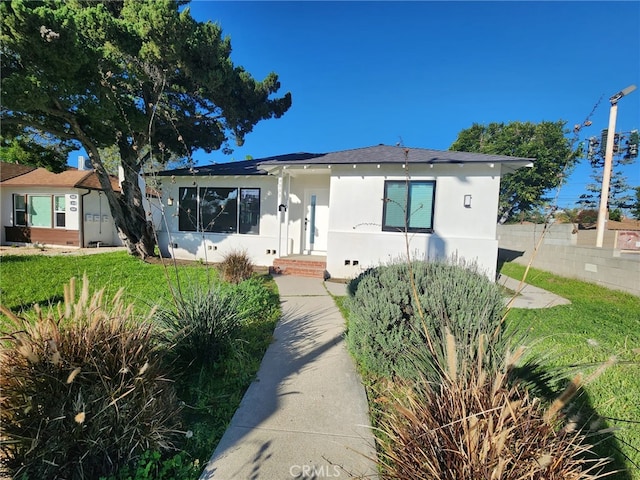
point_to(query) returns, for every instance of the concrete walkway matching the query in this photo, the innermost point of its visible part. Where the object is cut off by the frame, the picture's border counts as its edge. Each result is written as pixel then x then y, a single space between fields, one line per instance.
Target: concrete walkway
pixel 529 296
pixel 306 414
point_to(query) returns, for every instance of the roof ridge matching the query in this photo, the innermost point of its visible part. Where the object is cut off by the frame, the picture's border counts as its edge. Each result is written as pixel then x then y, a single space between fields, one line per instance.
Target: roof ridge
pixel 84 177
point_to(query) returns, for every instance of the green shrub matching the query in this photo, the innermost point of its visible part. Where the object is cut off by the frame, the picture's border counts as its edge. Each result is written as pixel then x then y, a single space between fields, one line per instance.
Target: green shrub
pixel 84 389
pixel 615 215
pixel 255 299
pixel 390 330
pixel 199 327
pixel 152 465
pixel 236 267
pixel 587 217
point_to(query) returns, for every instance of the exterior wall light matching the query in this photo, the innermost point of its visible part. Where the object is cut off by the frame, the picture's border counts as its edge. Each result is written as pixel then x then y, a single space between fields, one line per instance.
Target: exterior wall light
pixel 170 201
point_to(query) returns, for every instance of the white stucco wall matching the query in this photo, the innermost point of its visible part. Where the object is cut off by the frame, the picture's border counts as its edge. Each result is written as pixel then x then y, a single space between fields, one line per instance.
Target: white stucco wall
pixel 98 222
pixel 355 221
pixel 81 206
pixel 356 218
pixel 212 247
pixel 6 210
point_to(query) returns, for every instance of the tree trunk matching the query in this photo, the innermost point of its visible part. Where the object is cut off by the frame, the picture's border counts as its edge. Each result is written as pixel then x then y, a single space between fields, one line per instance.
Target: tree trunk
pixel 127 206
pixel 135 228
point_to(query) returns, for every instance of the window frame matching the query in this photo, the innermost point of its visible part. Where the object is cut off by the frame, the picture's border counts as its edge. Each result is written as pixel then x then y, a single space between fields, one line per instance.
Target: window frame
pixel 24 210
pixel 56 212
pixel 224 219
pixel 49 210
pixel 202 195
pixel 406 227
pixel 249 227
pixel 193 221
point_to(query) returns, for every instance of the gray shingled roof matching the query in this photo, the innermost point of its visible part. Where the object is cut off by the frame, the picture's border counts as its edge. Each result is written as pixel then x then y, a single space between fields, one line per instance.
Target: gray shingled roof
pixel 245 167
pixel 379 154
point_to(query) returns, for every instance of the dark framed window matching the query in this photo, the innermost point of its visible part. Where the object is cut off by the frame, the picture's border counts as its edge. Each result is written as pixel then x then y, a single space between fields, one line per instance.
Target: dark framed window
pixel 219 210
pixel 408 204
pixel 59 211
pixel 188 209
pixel 250 210
pixel 20 210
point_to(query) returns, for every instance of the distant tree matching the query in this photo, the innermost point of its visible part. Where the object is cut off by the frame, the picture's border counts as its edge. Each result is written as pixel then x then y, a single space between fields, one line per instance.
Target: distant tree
pixel 635 206
pixel 139 76
pixel 587 217
pixel 624 153
pixel 615 215
pixel 524 189
pixel 35 152
pixel 567 215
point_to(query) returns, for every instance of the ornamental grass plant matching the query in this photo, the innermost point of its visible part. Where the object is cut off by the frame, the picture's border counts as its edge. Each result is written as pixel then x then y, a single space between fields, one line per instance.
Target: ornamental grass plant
pixel 478 424
pixel 236 266
pixel 197 329
pixel 84 389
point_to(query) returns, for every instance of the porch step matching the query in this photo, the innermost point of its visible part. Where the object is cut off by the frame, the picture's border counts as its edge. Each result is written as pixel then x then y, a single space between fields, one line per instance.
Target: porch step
pixel 301 267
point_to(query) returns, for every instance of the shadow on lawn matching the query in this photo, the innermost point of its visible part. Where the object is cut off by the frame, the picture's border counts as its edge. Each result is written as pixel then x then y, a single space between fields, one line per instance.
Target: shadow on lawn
pixel 547 385
pixel 45 303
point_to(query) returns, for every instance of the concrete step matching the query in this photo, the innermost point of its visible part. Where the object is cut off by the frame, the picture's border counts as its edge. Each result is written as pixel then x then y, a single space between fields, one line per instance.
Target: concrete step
pixel 300 267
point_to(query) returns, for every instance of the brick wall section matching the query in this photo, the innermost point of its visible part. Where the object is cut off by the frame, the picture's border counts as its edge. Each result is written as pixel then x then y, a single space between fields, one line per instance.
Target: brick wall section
pixel 562 252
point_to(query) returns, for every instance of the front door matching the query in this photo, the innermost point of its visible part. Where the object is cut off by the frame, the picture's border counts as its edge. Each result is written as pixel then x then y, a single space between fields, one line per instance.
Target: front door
pixel 316 221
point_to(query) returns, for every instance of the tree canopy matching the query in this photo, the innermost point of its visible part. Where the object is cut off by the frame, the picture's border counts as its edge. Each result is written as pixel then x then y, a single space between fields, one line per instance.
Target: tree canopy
pixel 546 142
pixel 625 152
pixel 141 77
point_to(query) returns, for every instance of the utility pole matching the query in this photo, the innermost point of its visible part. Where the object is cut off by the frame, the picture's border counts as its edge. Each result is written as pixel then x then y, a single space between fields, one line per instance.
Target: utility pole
pixel 608 161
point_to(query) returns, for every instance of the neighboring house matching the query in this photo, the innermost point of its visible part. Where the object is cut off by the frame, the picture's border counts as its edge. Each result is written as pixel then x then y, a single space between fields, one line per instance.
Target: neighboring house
pixel 345 210
pixel 67 208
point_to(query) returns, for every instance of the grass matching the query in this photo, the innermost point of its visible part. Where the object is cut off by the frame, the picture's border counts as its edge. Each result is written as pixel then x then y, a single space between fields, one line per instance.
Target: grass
pixel 599 323
pixel 26 279
pixel 211 394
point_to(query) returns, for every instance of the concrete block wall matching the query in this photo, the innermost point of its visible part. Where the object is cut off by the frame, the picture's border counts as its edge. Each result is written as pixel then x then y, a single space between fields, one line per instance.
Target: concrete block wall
pixel 559 253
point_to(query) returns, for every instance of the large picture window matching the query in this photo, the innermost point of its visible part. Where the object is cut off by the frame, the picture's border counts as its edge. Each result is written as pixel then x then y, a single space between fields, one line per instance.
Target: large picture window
pixel 40 210
pixel 219 210
pixel 408 204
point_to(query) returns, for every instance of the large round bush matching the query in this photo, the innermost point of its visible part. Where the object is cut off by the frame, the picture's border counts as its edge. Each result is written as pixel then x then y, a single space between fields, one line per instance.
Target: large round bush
pixel 398 312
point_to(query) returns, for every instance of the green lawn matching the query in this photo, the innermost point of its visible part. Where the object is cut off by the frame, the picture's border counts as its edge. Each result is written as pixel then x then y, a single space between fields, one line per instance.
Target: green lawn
pixel 27 279
pixel 599 323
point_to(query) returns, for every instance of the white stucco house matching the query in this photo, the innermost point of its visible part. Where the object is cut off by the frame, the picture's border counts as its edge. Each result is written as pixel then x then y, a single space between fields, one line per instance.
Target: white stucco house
pixel 57 209
pixel 344 211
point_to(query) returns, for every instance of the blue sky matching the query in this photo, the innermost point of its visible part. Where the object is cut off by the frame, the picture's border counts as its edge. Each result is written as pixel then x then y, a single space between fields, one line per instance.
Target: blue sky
pixel 364 73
